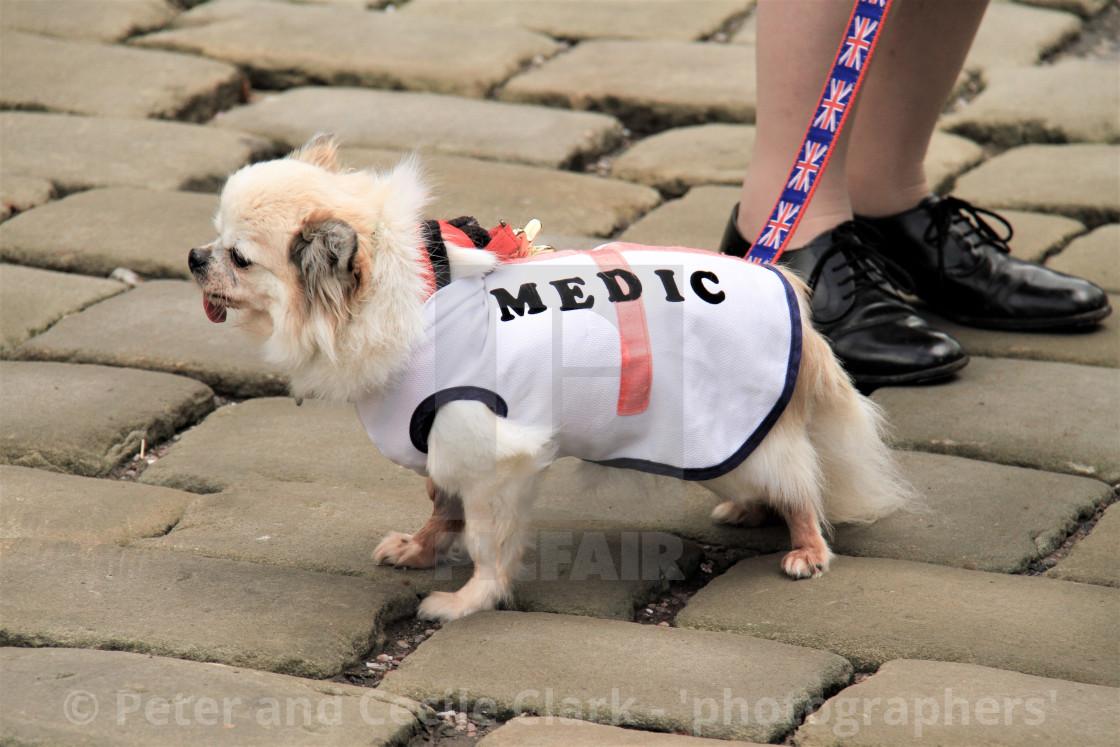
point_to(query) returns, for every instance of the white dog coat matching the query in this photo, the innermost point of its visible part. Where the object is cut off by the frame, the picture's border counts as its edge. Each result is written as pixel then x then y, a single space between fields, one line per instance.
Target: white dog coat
pixel 671 361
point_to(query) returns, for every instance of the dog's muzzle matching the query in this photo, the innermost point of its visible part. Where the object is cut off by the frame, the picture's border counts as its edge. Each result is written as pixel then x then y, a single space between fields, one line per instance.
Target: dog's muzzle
pixel 198 259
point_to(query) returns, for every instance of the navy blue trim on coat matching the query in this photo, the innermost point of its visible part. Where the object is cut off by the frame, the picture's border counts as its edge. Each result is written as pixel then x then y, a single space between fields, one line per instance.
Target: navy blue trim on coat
pixel 793 367
pixel 425 413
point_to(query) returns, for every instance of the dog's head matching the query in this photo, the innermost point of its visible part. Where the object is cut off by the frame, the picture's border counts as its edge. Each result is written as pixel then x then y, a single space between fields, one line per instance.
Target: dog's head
pixel 303 245
pixel 283 244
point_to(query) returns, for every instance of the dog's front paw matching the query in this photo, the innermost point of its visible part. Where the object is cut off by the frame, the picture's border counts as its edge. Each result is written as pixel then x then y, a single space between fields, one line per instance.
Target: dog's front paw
pixel 478 594
pixel 807 562
pixel 400 549
pixel 445 606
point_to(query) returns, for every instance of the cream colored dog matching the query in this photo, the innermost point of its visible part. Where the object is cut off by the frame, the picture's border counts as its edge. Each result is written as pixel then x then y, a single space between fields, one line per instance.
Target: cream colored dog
pixel 326 266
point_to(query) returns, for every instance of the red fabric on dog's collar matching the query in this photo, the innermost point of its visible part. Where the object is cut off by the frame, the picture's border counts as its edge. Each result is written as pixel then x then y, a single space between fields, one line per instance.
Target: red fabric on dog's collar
pixel 503 242
pixel 435 269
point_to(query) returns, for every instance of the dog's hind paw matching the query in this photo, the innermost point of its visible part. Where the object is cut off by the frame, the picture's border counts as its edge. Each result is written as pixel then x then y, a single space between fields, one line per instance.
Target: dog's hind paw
pixel 807 562
pixel 402 550
pixel 732 514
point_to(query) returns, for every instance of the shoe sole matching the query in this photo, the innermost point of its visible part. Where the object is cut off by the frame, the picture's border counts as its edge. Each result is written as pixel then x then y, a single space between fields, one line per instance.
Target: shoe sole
pixel 1087 319
pixel 924 376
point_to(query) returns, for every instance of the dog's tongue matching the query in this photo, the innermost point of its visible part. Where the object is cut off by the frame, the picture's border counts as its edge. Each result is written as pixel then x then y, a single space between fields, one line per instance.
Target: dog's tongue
pixel 214 312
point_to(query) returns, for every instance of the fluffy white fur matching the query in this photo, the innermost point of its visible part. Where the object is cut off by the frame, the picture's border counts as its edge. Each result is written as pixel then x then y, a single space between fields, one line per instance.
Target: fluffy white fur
pixel 334 287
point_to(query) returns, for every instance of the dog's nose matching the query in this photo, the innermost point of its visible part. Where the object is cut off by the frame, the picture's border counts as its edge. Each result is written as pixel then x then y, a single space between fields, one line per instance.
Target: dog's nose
pixel 198 258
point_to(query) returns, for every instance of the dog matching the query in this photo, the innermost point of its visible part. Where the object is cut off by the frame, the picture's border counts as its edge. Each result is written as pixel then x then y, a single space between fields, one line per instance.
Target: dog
pixel 328 267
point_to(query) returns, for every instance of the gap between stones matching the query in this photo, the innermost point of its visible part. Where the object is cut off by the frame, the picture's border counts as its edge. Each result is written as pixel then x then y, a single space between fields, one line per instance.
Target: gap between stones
pixel 1084 527
pixel 728 28
pixel 1099 37
pixel 130 471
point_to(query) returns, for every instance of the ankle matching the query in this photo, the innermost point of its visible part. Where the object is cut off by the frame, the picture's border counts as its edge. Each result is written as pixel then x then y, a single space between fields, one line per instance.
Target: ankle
pixel 883 201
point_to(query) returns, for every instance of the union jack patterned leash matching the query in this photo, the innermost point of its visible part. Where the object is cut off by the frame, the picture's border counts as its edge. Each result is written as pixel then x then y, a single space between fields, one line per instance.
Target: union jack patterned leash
pixel 828 119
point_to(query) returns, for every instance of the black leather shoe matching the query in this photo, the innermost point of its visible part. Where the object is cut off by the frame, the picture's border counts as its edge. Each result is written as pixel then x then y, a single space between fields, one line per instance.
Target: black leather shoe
pixel 962 268
pixel 877 336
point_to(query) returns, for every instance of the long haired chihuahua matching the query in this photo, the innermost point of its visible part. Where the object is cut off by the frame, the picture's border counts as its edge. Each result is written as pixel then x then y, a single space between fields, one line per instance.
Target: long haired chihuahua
pixel 477 365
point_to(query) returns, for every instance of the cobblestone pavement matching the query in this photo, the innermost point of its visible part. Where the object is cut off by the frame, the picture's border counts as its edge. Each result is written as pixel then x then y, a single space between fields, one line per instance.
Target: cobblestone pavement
pixel 186 555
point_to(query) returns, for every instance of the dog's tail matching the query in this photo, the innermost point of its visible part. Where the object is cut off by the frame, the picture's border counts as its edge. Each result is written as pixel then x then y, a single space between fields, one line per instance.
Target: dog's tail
pixel 862 481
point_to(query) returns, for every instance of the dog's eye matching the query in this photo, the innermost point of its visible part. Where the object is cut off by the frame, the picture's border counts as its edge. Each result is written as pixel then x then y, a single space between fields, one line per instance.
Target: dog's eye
pixel 239 258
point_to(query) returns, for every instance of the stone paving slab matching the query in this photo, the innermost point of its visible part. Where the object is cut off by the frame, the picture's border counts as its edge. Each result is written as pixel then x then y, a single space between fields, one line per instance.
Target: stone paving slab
pixel 1037 235
pixel 1069 101
pixel 1017 517
pixel 405 120
pixel 696 220
pixel 1094 257
pixel 871 610
pixel 1093 559
pixel 19 193
pixel 1058 417
pixel 605 574
pixel 335 529
pixel 1083 8
pixel 76 153
pixel 88 419
pixel 695 82
pixel 534 731
pixel 563 241
pixel 948 157
pixel 86 510
pixel 979 515
pixel 564 202
pixel 938 703
pixel 139 699
pixel 77 77
pixel 160 326
pixel 1076 180
pixel 175 604
pixel 675 20
pixel 618 673
pixel 1097 346
pixel 211 457
pixel 678 159
pixel 97 20
pixel 748 31
pixel 1014 34
pixel 86 232
pixel 284 44
pixel 33 300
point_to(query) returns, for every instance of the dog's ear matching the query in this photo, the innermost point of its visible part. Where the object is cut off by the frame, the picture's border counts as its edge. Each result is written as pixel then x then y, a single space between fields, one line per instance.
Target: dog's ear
pixel 324 252
pixel 321 151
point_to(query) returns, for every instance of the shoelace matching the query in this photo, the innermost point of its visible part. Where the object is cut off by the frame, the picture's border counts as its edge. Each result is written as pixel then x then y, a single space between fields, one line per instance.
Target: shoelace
pixel 952 215
pixel 855 242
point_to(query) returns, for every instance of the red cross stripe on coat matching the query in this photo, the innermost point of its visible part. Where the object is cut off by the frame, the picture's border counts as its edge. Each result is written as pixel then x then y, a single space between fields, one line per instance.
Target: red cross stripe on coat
pixel 636 378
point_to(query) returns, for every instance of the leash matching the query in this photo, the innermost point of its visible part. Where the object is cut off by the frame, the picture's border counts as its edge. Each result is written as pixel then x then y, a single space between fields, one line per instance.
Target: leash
pixel 828 120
